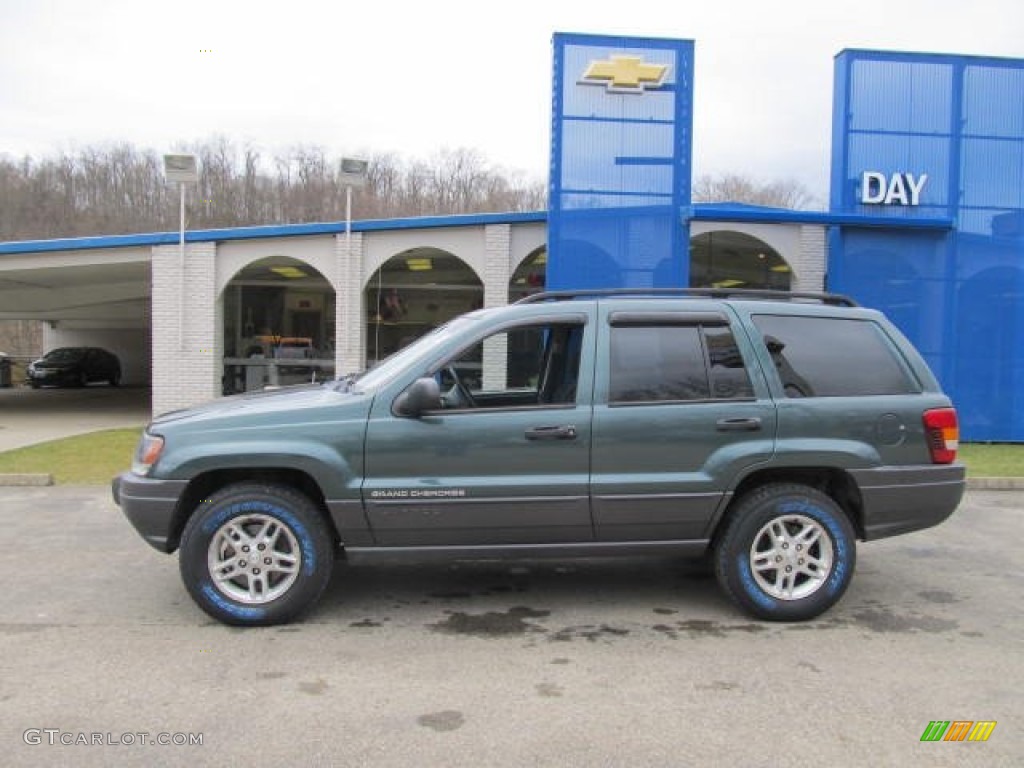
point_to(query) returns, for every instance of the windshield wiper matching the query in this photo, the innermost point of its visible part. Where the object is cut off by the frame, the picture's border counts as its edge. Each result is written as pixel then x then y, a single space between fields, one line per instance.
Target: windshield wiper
pixel 343 383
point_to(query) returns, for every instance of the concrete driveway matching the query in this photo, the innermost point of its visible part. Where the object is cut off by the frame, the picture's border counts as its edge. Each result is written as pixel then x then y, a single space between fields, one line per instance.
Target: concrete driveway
pixel 29 416
pixel 589 663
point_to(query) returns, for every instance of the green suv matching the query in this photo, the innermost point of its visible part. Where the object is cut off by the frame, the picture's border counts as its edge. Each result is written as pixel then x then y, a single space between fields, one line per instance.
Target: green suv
pixel 769 431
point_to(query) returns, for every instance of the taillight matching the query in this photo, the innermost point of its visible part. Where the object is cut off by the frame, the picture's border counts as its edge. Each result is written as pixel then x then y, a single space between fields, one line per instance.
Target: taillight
pixel 943 434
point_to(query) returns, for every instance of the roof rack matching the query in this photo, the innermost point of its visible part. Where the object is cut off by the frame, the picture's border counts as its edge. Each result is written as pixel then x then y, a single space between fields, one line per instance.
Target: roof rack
pixel 833 299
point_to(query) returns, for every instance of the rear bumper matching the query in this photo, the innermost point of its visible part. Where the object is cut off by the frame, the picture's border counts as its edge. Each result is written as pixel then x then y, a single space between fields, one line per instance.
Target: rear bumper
pixel 150 507
pixel 904 499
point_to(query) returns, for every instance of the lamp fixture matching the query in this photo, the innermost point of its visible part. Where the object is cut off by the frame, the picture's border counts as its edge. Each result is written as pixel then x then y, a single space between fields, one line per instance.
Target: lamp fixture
pixel 289 272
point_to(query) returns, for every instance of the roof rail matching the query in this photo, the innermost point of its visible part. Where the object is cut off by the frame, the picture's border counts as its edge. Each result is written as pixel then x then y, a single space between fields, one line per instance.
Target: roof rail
pixel 833 299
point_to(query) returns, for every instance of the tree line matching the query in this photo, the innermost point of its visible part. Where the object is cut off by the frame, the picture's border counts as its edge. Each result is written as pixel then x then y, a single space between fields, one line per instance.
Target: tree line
pixel 121 189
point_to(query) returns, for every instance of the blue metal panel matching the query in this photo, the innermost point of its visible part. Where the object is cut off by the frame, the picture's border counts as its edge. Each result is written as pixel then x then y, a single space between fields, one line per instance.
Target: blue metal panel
pixel 620 164
pixel 957 295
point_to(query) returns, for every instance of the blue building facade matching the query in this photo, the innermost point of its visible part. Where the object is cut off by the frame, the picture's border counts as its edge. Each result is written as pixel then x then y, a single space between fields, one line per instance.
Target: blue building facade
pixel 934 144
pixel 926 215
pixel 621 149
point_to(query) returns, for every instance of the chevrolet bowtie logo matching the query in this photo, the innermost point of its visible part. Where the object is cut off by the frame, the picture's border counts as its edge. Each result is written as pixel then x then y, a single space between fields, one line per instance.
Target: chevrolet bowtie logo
pixel 625 74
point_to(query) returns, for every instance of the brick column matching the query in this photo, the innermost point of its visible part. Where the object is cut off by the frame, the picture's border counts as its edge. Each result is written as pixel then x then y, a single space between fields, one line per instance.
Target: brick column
pixel 349 313
pixel 497 273
pixel 809 266
pixel 187 340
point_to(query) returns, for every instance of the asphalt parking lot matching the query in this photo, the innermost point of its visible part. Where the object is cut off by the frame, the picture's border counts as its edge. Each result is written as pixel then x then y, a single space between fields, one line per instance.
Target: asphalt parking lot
pixel 593 663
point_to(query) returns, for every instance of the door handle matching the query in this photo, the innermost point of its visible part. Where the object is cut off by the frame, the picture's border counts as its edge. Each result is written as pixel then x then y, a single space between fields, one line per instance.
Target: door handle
pixel 738 425
pixel 567 432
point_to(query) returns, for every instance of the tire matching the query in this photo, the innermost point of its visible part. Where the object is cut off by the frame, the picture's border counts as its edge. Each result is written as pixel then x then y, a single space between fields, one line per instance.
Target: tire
pixel 83 379
pixel 115 379
pixel 779 526
pixel 235 589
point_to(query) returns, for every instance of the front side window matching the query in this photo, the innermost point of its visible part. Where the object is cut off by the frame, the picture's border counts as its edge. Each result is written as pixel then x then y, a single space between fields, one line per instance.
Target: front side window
pixel 664 363
pixel 531 365
pixel 834 357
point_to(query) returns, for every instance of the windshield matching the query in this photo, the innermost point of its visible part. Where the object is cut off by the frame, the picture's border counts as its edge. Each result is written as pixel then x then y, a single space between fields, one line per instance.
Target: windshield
pixel 389 366
pixel 64 355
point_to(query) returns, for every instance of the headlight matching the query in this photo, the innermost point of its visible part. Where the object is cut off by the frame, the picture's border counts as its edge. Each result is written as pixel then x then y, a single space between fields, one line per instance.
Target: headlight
pixel 146 454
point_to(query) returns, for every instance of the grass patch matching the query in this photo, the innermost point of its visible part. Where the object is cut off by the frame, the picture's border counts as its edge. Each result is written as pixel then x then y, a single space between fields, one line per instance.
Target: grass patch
pixel 992 460
pixel 94 458
pixel 91 459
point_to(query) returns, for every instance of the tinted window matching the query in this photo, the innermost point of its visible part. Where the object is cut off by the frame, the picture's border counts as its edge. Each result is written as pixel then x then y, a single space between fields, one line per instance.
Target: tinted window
pixel 833 357
pixel 65 355
pixel 729 378
pixel 675 362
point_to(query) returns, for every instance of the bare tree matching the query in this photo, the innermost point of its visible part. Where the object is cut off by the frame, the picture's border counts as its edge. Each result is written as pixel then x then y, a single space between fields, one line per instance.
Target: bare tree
pixel 115 189
pixel 734 188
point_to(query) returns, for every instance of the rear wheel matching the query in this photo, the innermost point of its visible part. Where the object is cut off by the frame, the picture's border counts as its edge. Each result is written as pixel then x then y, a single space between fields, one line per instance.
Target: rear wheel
pixel 255 555
pixel 787 553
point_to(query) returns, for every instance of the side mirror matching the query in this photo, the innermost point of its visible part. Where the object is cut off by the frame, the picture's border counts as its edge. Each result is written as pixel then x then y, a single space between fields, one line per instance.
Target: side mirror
pixel 424 395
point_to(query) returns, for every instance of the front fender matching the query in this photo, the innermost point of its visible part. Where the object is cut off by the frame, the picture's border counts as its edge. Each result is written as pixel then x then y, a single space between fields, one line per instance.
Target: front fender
pixel 332 471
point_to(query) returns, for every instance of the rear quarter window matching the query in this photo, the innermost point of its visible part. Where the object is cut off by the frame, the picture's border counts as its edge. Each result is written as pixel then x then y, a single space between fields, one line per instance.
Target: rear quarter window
pixel 834 357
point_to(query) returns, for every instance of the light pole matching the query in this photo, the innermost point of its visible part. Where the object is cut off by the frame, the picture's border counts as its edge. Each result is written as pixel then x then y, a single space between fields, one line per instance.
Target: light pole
pixel 183 170
pixel 353 174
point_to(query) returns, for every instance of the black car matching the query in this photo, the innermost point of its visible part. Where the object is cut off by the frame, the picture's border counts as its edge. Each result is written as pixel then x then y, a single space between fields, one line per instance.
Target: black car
pixel 75 366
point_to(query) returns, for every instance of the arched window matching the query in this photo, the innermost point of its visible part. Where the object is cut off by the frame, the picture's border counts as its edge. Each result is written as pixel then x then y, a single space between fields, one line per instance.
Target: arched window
pixel 530 276
pixel 278 320
pixel 414 292
pixel 727 259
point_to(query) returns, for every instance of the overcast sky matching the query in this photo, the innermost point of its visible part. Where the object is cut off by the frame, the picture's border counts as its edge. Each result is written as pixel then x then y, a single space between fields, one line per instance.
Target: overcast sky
pixel 361 76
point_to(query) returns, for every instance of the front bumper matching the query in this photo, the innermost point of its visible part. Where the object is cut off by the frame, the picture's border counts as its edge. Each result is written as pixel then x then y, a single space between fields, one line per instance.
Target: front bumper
pixel 151 507
pixel 903 499
pixel 58 377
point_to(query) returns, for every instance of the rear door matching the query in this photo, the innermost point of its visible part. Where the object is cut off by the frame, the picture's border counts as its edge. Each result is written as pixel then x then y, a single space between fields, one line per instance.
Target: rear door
pixel 680 411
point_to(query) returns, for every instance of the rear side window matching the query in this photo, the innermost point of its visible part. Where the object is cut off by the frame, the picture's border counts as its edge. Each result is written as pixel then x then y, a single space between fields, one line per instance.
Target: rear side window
pixel 834 357
pixel 658 363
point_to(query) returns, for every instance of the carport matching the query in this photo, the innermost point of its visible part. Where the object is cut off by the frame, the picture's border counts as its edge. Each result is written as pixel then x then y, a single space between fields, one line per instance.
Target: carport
pixel 85 296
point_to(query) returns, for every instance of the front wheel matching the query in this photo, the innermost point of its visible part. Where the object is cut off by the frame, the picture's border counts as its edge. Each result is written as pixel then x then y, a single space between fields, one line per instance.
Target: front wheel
pixel 787 553
pixel 256 555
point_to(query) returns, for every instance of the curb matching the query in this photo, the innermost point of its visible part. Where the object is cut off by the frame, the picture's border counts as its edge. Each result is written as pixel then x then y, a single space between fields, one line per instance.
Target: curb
pixel 37 480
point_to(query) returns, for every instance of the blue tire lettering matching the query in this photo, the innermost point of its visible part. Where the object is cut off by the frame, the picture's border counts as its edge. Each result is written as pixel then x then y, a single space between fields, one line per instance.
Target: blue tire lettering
pixel 239 611
pixel 750 586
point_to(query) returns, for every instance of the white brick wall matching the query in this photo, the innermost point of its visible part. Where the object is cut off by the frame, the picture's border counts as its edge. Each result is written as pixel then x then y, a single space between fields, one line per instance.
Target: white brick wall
pixel 496 274
pixel 349 313
pixel 809 263
pixel 187 335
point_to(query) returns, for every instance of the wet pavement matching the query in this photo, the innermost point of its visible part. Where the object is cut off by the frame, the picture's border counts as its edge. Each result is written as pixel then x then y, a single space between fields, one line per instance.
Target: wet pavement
pixel 638 662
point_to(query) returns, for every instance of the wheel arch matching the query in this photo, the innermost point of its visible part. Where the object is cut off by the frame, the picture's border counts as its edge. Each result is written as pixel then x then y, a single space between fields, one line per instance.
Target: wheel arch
pixel 833 482
pixel 202 486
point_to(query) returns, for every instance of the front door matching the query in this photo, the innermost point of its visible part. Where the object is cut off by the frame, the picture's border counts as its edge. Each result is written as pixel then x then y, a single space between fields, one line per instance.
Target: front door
pixel 505 460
